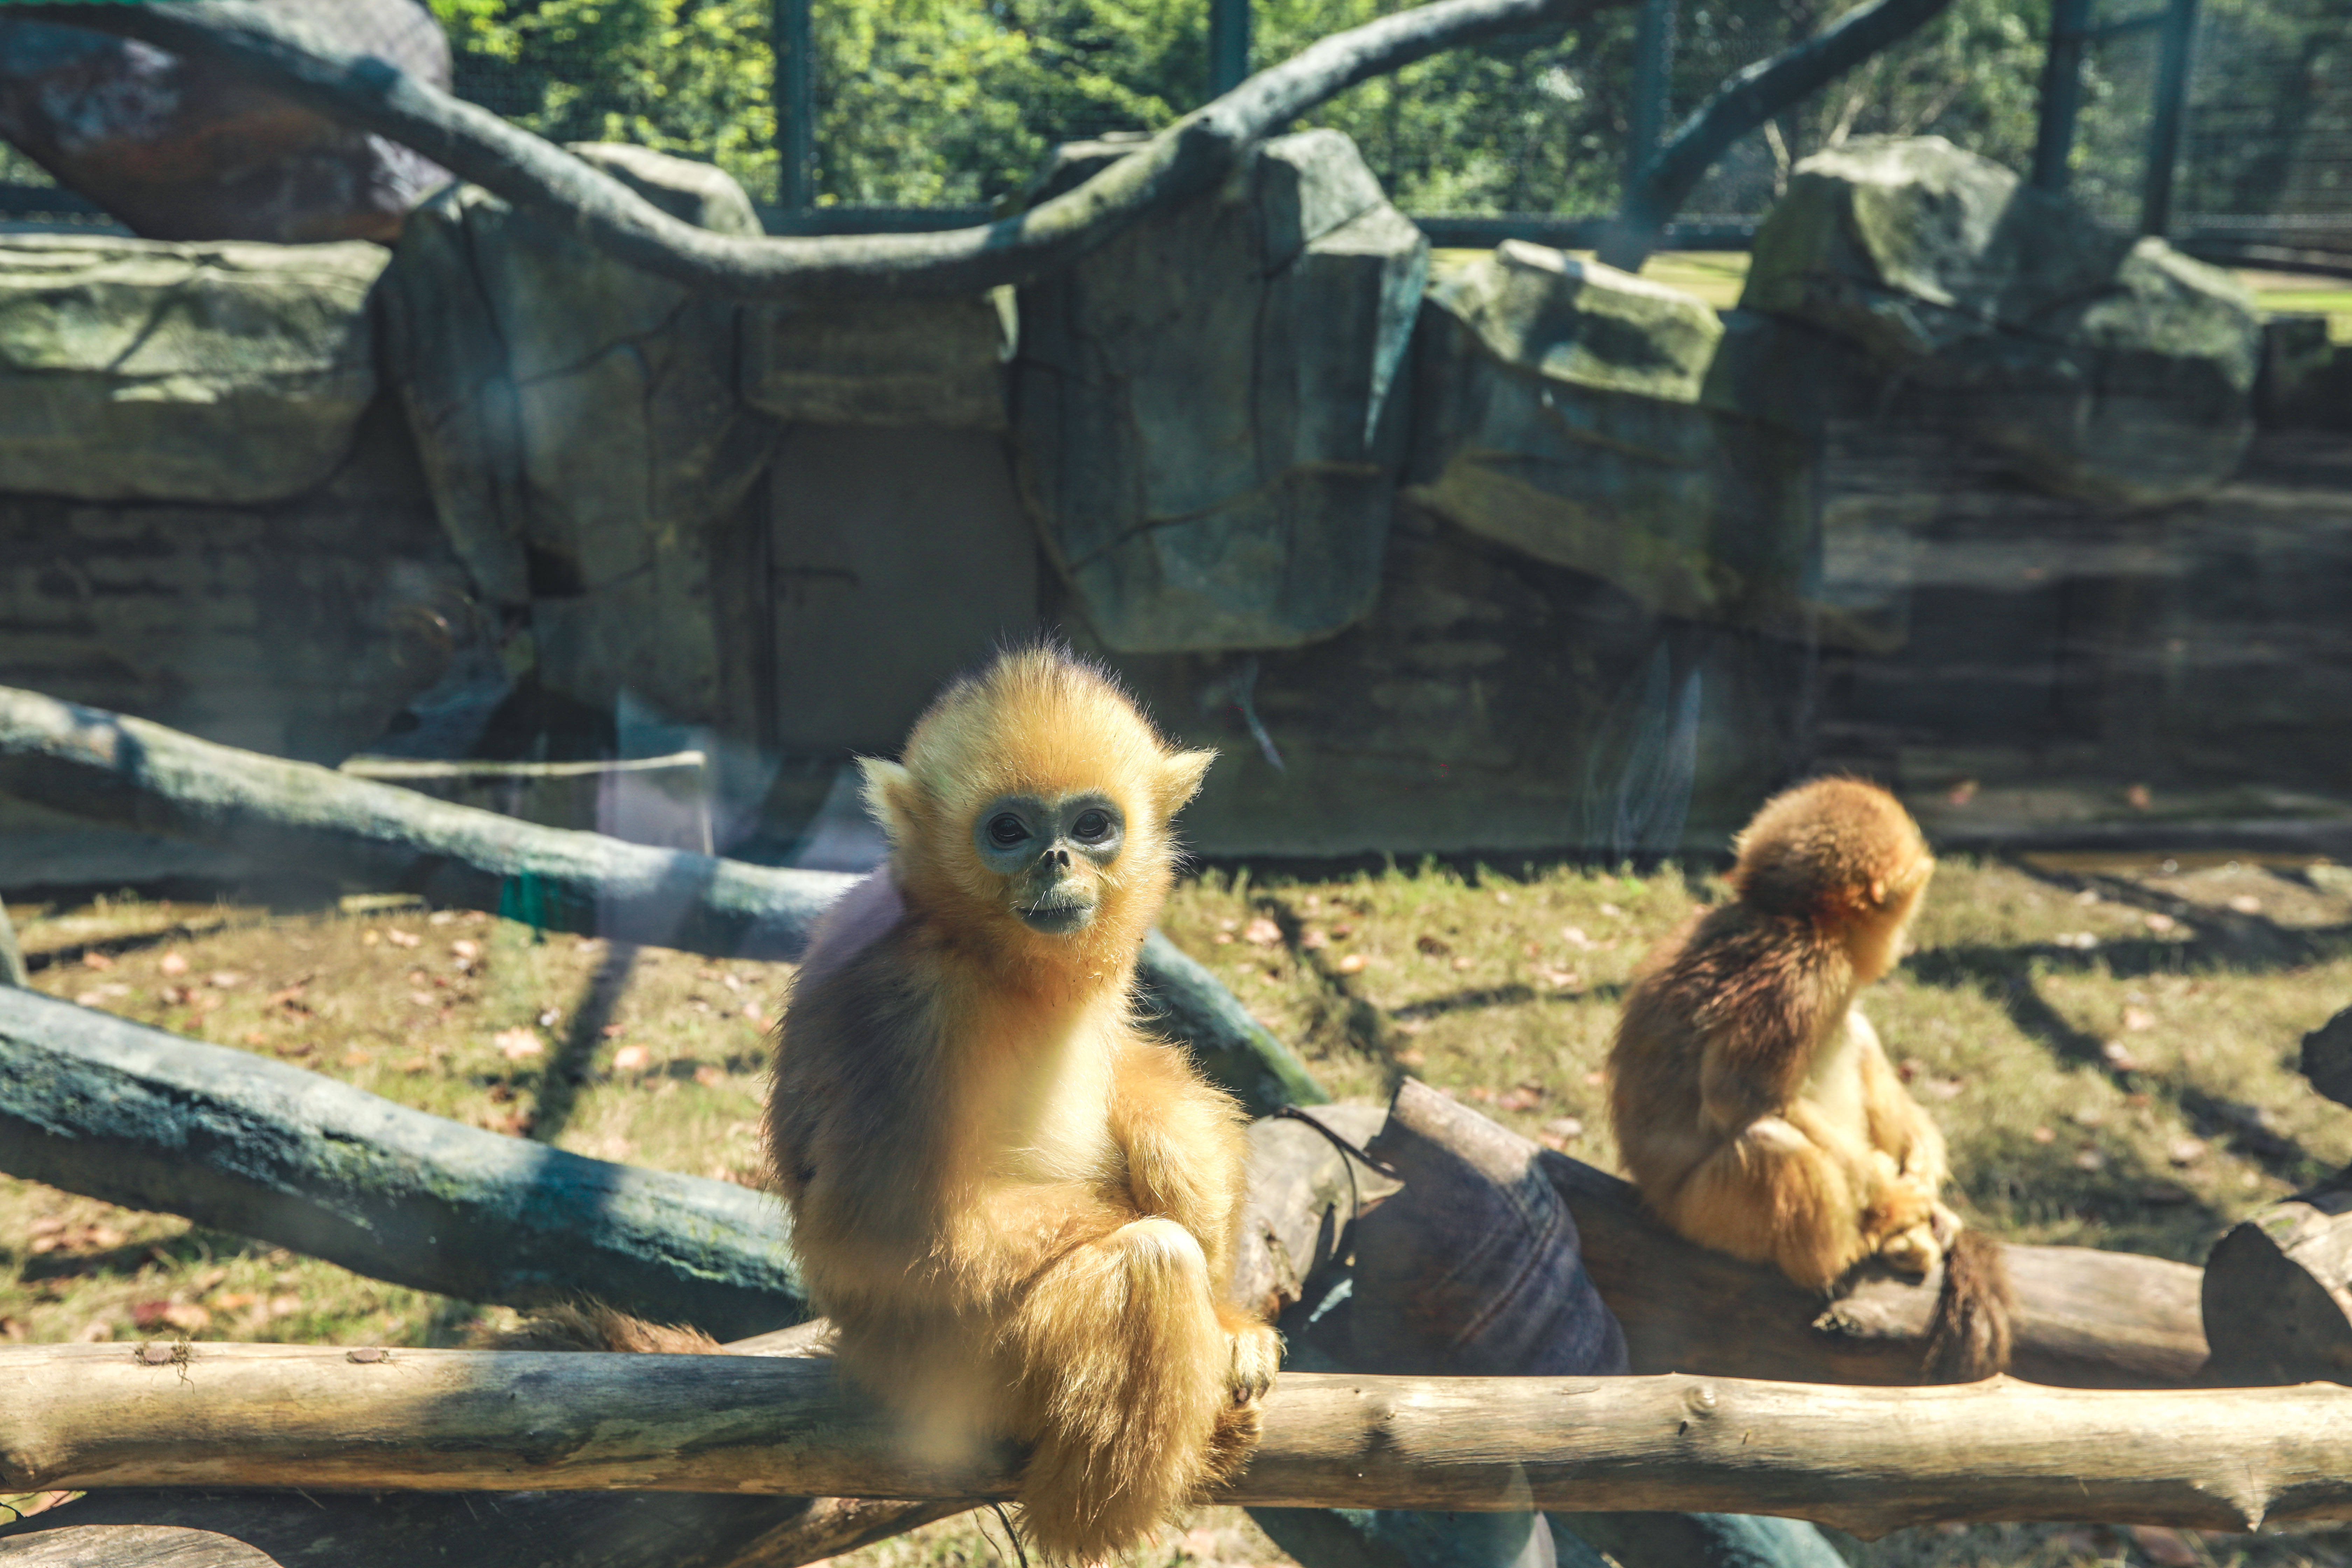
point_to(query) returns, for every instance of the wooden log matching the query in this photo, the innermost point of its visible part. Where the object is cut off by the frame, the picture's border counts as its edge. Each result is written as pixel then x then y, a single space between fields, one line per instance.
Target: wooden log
pixel 114 1110
pixel 2278 1292
pixel 128 1528
pixel 2327 1058
pixel 2085 1319
pixel 1303 1199
pixel 108 768
pixel 1865 1459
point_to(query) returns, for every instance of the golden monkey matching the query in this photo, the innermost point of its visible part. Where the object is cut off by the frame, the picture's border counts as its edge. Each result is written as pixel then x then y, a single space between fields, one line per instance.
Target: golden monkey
pixel 1752 1102
pixel 1018 1208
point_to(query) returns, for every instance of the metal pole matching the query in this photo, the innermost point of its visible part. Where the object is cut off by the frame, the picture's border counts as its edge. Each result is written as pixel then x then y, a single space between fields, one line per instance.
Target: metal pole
pixel 1229 45
pixel 796 100
pixel 2172 106
pixel 1654 61
pixel 2062 92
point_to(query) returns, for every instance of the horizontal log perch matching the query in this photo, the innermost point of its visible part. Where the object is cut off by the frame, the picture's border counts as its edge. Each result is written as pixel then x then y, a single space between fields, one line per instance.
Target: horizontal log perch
pixel 184 1528
pixel 1865 1459
pixel 109 767
pixel 137 1116
pixel 2084 1319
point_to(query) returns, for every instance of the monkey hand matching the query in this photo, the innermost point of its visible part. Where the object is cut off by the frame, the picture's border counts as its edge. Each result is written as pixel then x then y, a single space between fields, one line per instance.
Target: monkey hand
pixel 1255 1353
pixel 1912 1227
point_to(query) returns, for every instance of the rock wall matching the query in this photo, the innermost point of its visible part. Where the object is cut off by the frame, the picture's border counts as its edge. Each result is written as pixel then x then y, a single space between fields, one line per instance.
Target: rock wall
pixel 1537 555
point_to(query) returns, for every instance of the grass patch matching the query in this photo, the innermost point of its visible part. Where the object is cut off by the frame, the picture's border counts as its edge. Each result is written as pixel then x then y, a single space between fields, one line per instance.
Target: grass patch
pixel 2110 1048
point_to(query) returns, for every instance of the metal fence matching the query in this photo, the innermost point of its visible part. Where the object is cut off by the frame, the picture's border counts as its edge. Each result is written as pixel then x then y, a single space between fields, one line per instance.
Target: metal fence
pixel 843 128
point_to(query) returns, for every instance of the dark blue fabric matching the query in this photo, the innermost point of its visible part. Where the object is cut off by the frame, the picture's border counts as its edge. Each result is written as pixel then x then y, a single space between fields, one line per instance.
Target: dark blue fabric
pixel 1474 1269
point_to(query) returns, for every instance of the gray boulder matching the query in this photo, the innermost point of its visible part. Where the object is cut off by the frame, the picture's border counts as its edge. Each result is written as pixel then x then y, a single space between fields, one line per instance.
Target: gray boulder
pixel 2101 367
pixel 1208 415
pixel 579 426
pixel 1559 412
pixel 135 370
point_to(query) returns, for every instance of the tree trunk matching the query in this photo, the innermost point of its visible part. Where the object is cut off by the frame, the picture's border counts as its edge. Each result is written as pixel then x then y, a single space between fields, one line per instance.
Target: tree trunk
pixel 1866 1459
pixel 108 768
pixel 2278 1292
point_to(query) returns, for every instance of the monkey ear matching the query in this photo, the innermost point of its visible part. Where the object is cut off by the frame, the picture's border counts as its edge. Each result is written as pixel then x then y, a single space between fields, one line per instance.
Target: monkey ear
pixel 890 792
pixel 1181 776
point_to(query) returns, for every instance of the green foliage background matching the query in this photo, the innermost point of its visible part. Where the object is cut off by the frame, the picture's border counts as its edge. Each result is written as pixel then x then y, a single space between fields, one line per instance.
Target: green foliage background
pixel 931 102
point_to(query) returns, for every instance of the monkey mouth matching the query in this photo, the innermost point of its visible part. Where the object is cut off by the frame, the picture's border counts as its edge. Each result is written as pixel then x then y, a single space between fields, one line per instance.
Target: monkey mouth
pixel 1056 914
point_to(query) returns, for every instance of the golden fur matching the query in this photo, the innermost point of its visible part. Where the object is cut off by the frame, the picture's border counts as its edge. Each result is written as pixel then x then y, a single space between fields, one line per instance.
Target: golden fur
pixel 1018 1207
pixel 1753 1104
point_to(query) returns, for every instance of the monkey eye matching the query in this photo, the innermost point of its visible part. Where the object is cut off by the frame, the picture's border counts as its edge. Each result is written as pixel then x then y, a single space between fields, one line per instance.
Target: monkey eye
pixel 1005 830
pixel 1091 826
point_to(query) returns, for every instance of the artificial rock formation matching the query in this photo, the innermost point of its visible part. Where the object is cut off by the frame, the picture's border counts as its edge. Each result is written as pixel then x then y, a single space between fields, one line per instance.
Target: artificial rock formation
pixel 2101 367
pixel 890 361
pixel 184 148
pixel 580 425
pixel 1558 413
pixel 1209 409
pixel 138 369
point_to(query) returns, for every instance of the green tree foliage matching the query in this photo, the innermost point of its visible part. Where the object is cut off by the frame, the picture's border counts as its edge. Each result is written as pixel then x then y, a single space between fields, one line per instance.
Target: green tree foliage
pixel 945 102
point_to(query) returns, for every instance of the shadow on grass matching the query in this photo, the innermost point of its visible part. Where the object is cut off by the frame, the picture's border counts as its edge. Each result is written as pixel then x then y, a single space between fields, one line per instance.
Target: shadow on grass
pixel 2006 976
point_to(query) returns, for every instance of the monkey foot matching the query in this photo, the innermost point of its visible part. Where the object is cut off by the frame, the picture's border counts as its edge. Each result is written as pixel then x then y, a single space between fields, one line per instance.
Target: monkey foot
pixel 1256 1353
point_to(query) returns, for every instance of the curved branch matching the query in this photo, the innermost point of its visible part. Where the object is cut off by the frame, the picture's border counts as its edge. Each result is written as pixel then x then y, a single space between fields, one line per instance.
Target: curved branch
pixel 1189 156
pixel 1741 104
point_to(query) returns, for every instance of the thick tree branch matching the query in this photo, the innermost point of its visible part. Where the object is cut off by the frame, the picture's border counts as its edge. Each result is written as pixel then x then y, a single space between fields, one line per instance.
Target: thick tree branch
pixel 1188 157
pixel 135 1116
pixel 108 768
pixel 137 1527
pixel 1744 103
pixel 1866 1459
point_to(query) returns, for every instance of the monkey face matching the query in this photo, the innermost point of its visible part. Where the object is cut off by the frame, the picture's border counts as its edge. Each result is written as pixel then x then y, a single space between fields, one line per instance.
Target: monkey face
pixel 1052 855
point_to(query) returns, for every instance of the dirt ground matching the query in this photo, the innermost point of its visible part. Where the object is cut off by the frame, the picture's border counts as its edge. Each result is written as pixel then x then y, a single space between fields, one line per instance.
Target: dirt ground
pixel 2109 1046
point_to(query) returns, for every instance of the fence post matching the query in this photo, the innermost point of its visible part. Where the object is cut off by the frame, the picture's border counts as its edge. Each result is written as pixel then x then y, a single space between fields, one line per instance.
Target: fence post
pixel 795 102
pixel 1229 45
pixel 2062 92
pixel 2171 107
pixel 1654 60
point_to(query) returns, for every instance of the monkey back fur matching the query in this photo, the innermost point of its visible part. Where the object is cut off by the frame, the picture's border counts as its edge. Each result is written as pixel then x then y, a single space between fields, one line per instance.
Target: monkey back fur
pixel 1753 1104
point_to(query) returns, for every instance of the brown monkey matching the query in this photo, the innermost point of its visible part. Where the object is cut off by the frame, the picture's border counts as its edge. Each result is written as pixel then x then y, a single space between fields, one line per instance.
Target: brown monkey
pixel 1018 1208
pixel 1752 1101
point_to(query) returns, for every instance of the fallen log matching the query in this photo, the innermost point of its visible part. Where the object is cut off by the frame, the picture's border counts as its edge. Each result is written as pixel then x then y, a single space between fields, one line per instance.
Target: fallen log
pixel 114 1109
pixel 1865 1459
pixel 2085 1319
pixel 2278 1292
pixel 109 767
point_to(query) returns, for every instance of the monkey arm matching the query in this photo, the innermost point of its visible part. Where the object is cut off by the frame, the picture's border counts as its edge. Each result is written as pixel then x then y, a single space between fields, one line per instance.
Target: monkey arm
pixel 1897 1125
pixel 1186 1152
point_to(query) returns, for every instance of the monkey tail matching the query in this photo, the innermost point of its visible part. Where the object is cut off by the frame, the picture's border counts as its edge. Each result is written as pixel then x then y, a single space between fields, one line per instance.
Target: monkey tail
pixel 590 1325
pixel 1126 1360
pixel 1970 1337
